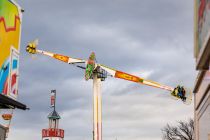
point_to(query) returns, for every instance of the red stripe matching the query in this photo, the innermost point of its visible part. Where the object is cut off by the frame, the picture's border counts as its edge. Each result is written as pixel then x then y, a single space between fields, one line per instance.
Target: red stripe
pixel 14 78
pixel 7 29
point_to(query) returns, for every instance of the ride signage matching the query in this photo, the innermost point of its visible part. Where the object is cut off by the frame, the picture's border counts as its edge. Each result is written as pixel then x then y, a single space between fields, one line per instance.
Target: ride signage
pixel 53 133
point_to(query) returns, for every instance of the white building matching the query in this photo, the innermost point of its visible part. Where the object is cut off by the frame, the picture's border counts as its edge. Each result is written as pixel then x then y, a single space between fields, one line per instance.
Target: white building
pixel 202 84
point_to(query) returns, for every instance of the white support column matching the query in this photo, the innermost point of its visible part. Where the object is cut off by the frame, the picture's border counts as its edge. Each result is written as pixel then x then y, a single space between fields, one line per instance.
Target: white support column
pixel 97 114
pixel 99 109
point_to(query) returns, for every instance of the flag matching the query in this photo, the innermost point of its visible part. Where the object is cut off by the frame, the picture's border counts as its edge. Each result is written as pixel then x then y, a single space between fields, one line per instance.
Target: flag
pixel 52 98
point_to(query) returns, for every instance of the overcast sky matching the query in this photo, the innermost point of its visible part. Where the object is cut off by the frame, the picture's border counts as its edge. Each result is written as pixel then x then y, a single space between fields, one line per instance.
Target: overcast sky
pixel 148 38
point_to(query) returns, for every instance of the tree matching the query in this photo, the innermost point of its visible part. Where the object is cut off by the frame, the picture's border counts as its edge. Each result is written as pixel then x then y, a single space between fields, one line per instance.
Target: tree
pixel 183 131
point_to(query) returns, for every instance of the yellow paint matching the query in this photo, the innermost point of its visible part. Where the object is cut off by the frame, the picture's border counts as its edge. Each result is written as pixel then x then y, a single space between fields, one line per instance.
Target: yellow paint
pixel 61 57
pixel 128 77
pixel 8 39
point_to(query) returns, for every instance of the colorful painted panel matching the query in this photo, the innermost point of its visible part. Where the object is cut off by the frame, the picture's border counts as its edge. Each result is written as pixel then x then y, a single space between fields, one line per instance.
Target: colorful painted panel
pixel 90 66
pixel 202 24
pixel 128 77
pixel 10 27
pixel 14 74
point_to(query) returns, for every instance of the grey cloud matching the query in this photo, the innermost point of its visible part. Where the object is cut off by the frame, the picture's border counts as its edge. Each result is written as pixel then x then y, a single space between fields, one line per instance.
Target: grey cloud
pixel 132 36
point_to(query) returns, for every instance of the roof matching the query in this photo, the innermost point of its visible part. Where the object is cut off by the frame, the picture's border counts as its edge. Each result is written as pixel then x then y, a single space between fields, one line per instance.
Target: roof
pixel 54 115
pixel 6 102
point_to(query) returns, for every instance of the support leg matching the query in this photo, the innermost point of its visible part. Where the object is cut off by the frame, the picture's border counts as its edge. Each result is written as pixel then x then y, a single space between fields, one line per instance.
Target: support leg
pixel 97 114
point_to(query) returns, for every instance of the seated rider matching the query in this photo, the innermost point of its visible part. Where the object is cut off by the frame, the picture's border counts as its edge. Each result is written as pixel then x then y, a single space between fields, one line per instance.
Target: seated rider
pixel 184 94
pixel 181 93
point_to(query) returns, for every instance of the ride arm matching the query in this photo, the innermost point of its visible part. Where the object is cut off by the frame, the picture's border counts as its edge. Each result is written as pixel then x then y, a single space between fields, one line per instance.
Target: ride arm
pixel 32 49
pixel 133 78
pixel 60 57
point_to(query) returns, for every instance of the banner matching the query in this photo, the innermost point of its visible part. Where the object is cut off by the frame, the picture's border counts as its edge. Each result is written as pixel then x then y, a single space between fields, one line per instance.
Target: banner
pixel 10 30
pixel 52 98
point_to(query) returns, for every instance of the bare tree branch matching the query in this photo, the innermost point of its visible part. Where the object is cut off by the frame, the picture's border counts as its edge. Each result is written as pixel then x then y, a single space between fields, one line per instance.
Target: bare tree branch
pixel 183 131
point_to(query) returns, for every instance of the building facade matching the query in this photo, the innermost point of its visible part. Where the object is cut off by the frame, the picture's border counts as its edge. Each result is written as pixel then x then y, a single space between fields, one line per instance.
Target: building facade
pixel 202 83
pixel 2 132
